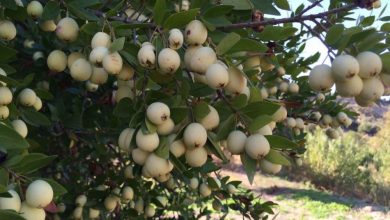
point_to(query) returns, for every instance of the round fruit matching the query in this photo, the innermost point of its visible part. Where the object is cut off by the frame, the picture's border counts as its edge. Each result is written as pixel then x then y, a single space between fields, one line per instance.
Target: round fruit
pixel 81 70
pixel 94 213
pixel 253 63
pixel 30 213
pixel 61 208
pixel 237 81
pixel 127 193
pixel 264 93
pixel 157 166
pixel 4 112
pixel 236 142
pixel 265 130
pixel 127 72
pixel 190 51
pixel 293 88
pixel 67 29
pixel 280 114
pixel 5 96
pixel 321 78
pixel 34 9
pixel 217 76
pixel 7 30
pixel 163 200
pixel 194 183
pixel 110 203
pixel 27 97
pixel 283 86
pixel 177 148
pixel 125 139
pixel 129 172
pixel 81 200
pixel 123 92
pixel 20 127
pixel 147 142
pixel 257 146
pixel 265 64
pixel 150 211
pixel 370 64
pixel 166 127
pixel 211 120
pixel 38 104
pixel 139 156
pixel 372 90
pixel 56 61
pixel 175 39
pixel 100 39
pixel 112 63
pixel 199 78
pixel 320 97
pixel 196 157
pixel 48 26
pixel 99 76
pixel 332 133
pixel 168 61
pixel 377 4
pixel 349 88
pixel 158 113
pixel 195 136
pixel 27 43
pixel 39 194
pixel 204 190
pixel 291 123
pixel 363 102
pixel 147 56
pixel 202 59
pixel 139 206
pixel 97 54
pixel 344 67
pixel 342 117
pixel 12 203
pixel 272 90
pixel 73 57
pixel 268 167
pixel 195 33
pixel 91 87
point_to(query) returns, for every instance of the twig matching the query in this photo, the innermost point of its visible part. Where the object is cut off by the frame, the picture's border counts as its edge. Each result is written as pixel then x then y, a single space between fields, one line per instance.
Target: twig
pixel 319 37
pixel 310 7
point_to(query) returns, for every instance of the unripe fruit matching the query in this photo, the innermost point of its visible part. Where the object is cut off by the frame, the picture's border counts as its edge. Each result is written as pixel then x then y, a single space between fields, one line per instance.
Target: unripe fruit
pixel 372 90
pixel 12 203
pixel 195 33
pixel 5 96
pixel 265 64
pixel 290 122
pixel 147 142
pixel 196 157
pixel 236 142
pixel 91 87
pixel 280 114
pixel 194 183
pixel 265 130
pixel 27 43
pixel 81 70
pixel 94 213
pixel 194 136
pixel 237 81
pixel 4 112
pixel 30 213
pixel 158 113
pixel 139 156
pixel 257 146
pixel 129 172
pixel 320 97
pixel 377 4
pixel 81 200
pixel 48 26
pixel 204 190
pixel 231 188
pixel 110 203
pixel 342 117
pixel 125 139
pixel 39 194
pixel 175 39
pixel 349 88
pixel 168 61
pixel 127 193
pixel 293 88
pixel 332 133
pixel 163 200
pixel 272 90
pixel 217 76
pixel 97 54
pixel 20 127
pixel 363 102
pixel 166 127
pixel 283 86
pixel 253 63
pixel 100 39
pixel 7 30
pixel 202 59
pixel 34 9
pixel 67 29
pixel 264 93
pixel 211 120
pixel 321 78
pixel 127 72
pixel 73 57
pixel 56 61
pixel 38 104
pixel 163 178
pixel 139 206
pixel 150 211
pixel 112 63
pixel 190 51
pixel 147 56
pixel 38 55
pixel 326 119
pixel 123 92
pixel 177 148
pixel 370 64
pixel 99 76
pixel 344 67
pixel 268 167
pixel 156 166
pixel 61 208
pixel 27 97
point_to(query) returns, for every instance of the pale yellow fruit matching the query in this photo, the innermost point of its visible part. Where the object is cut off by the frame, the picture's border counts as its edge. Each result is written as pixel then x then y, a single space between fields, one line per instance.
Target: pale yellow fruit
pixel 127 72
pixel 196 157
pixel 113 63
pixel 385 77
pixel 199 78
pixel 253 63
pixel 127 193
pixel 190 51
pixel 194 183
pixel 5 96
pixel 81 200
pixel 265 130
pixel 158 113
pixel 204 190
pixel 99 76
pixel 257 146
pixel 265 64
pixel 150 211
pixel 67 29
pixel 157 166
pixel 177 148
pixel 269 167
pixel 316 116
pixel 202 59
pixel 61 208
pixel 300 123
pixel 91 87
pixel 125 139
pixel 272 90
pixel 27 97
pixel 100 39
pixel 163 200
pixel 163 178
pixel 97 54
pixel 168 61
pixel 246 92
pixel 94 213
pixel 363 102
pixel 39 194
pixel 332 133
pixel 19 3
pixel 290 122
pixel 139 156
pixel 147 142
pixel 81 70
pixel 237 81
pixel 370 64
pixel 4 112
pixel 217 76
pixel 272 125
pixel 110 203
pixel 2 73
pixel 185 6
pixel 34 9
pixel 335 123
pixel 281 71
pixel 194 136
pixel 293 88
pixel 123 92
pixel 48 26
pixel 12 203
pixel 344 67
pixel 264 93
pixel 175 39
pixel 129 172
pixel 326 119
pixel 372 90
pixel 236 142
pixel 342 117
pixel 38 55
pixel 139 206
pixel 56 61
pixel 280 114
pixel 135 16
pixel 30 213
pixel 321 78
pixel 352 87
pixel 211 120
pixel 297 131
pixel 166 128
pixel 145 173
pixel 320 97
pixel 377 4
pixel 195 33
pixel 73 57
pixel 38 104
pixel 283 86
pixel 7 30
pixel 147 56
pixel 28 43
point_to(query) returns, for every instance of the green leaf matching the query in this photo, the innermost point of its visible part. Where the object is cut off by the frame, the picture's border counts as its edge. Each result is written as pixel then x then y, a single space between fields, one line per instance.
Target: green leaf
pixel 32 162
pixel 279 142
pixel 123 109
pixel 249 166
pixel 277 33
pixel 385 27
pixel 266 6
pixel 178 114
pixel 84 3
pixel 35 118
pixel 6 53
pixel 371 41
pixel 10 139
pixel 238 5
pixel 282 4
pixel 386 62
pixel 159 11
pixel 177 164
pixel 4 177
pixel 150 126
pixel 227 43
pixel 259 122
pixel 10 4
pixel 180 19
pixel 334 34
pixel 200 89
pixel 9 81
pixel 91 28
pixel 82 13
pixel 239 101
pixel 277 157
pixel 58 189
pixel 255 95
pixel 367 21
pixel 218 10
pixel 255 109
pixel 117 44
pixel 212 183
pixel 201 110
pixel 51 10
pixel 10 215
pixel 215 148
pixel 225 128
pixel 163 148
pixel 114 11
pixel 246 44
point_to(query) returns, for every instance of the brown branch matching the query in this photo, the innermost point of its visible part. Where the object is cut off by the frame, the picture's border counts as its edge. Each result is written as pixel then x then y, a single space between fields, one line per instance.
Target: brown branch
pixel 310 7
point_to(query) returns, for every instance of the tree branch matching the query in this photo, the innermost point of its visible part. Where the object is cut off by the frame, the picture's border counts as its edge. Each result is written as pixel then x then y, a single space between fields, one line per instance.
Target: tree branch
pixel 310 7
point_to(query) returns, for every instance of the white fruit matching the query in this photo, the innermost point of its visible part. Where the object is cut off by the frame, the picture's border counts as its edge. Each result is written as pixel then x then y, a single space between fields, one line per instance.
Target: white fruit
pixel 372 90
pixel 264 93
pixel 202 59
pixel 81 200
pixel 97 54
pixel 166 127
pixel 147 142
pixel 331 133
pixel 99 76
pixel 157 166
pixel 61 208
pixel 158 113
pixel 73 57
pixel 27 43
pixel 211 120
pixel 3 73
pixel 342 117
pixel 67 29
pixel 56 61
pixel 269 167
pixel 129 172
pixel 272 125
pixel 283 86
pixel 100 39
pixel 163 178
pixel 163 200
pixel 91 87
pixel 320 97
pixel 123 92
pixel 81 70
pixel 272 90
pixel 321 78
pixel 7 30
pixel 127 72
pixel 377 4
pixel 266 65
pixel 246 92
pixel 265 130
pixel 110 203
pixel 253 63
pixel 37 104
pixel 175 39
pixel 48 26
pixel 281 71
pixel 150 211
pixel 177 148
pixel 217 76
pixel 112 63
pixel 127 193
pixel 232 189
pixel 125 139
pixel 194 136
pixel 4 112
pixel 27 97
pixel 385 77
pixel 199 78
pixel 12 203
pixel 38 55
pixel 195 33
pixel 20 127
pixel 190 51
pixel 326 119
pixel 168 61
pixel 139 206
pixel 370 64
pixel 290 122
pixel 344 67
pixel 196 157
pixel 194 183
pixel 30 213
pixel 39 194
pixel 236 142
pixel 34 9
pixel 237 81
pixel 280 114
pixel 94 213
pixel 5 96
pixel 363 102
pixel 204 190
pixel 257 146
pixel 351 87
pixel 139 156
pixel 147 57
pixel 293 88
